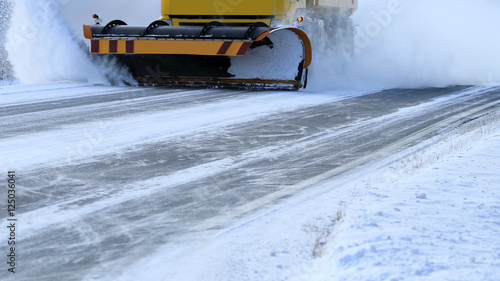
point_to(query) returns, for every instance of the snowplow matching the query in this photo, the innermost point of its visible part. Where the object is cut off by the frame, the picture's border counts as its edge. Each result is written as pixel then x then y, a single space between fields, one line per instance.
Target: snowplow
pixel 251 44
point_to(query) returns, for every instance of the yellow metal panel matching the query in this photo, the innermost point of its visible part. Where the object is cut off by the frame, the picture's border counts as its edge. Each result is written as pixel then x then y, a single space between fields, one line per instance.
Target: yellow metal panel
pixel 87 32
pixel 121 46
pixel 165 8
pixel 174 47
pixel 104 46
pixel 233 50
pixel 223 7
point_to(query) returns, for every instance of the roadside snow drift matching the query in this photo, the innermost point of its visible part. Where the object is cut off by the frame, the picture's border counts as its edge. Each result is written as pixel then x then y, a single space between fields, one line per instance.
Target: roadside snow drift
pixel 439 224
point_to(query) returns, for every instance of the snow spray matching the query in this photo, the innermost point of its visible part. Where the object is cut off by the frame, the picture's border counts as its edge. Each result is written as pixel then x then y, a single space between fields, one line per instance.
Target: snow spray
pixel 415 44
pixel 399 43
pixel 42 46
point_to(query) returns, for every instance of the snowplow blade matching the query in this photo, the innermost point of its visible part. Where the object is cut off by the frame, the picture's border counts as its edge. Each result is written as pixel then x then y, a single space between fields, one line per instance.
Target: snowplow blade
pixel 214 55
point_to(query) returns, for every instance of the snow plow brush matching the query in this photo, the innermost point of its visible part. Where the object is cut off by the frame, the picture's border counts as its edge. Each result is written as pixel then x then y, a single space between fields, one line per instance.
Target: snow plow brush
pixel 253 56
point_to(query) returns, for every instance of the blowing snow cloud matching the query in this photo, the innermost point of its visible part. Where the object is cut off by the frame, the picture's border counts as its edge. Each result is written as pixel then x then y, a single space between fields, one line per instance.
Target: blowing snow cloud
pixel 419 43
pixel 399 43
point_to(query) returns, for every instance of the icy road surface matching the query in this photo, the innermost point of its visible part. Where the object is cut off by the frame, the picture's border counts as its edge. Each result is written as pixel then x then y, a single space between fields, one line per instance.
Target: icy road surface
pixel 109 175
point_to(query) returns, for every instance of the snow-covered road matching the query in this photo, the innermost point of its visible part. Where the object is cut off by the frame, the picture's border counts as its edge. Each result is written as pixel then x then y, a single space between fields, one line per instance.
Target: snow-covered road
pixel 109 176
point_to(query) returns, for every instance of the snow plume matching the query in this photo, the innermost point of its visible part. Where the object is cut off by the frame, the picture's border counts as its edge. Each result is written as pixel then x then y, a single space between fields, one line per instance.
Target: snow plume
pixel 41 47
pixel 417 43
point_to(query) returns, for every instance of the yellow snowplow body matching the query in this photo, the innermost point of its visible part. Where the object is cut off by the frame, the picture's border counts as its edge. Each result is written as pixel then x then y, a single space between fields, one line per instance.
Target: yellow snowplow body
pixel 252 43
pixel 245 11
pixel 234 11
pixel 224 7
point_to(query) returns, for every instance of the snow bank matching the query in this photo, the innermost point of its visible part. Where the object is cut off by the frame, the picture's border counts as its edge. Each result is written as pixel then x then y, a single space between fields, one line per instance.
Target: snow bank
pixel 409 43
pixel 441 223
